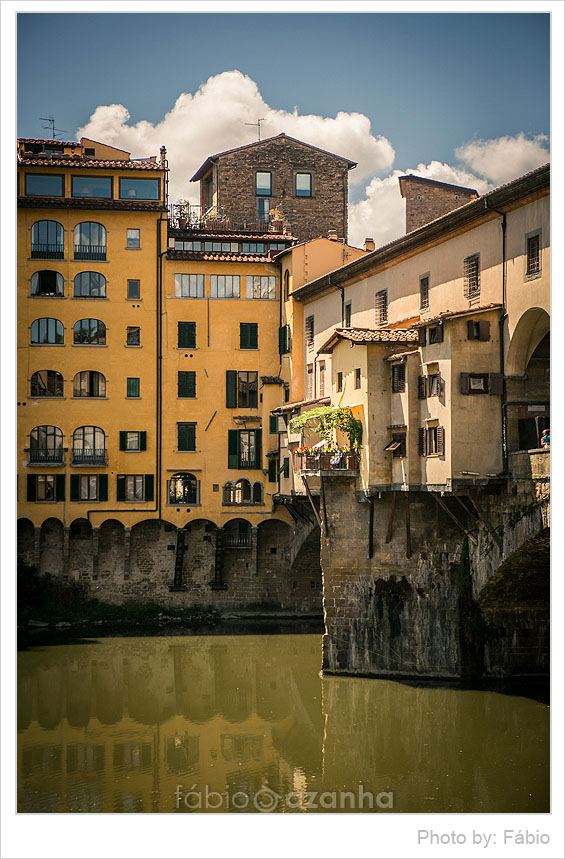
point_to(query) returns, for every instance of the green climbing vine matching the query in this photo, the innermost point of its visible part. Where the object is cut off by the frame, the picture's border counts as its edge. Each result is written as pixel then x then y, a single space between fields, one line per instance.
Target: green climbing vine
pixel 325 419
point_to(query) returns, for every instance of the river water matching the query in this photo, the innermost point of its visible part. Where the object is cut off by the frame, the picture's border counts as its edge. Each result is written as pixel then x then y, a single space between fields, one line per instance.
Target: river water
pixel 240 722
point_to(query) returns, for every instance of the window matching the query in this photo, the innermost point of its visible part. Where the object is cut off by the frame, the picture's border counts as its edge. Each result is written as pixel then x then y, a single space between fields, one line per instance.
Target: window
pixel 478 330
pixel 322 378
pixel 91 332
pixel 189 285
pixel 89 383
pixel 241 389
pixel 253 248
pixel 533 254
pixel 263 209
pixel 90 241
pixel 47 240
pixel 132 386
pixel 397 444
pixel 186 384
pixel 309 381
pixel 357 383
pixel 46 383
pixel 186 334
pixel 89 151
pixel 473 383
pixel 431 441
pixel 263 184
pixel 87 487
pixel 381 307
pixel 309 332
pixel 242 492
pixel 244 448
pixel 135 487
pixel 46 444
pixel 133 440
pixel 398 378
pixel 435 334
pixel 46 487
pixel 284 339
pixel 139 189
pixel 133 289
pixel 186 436
pixel 219 247
pixel 224 286
pixel 181 245
pixel 472 277
pixel 237 534
pixel 89 446
pixel 133 239
pixel 347 316
pixel 278 424
pixel 184 489
pixel 44 185
pixel 425 292
pixel 248 335
pixel 434 385
pixel 303 184
pixel 92 186
pixel 47 331
pixel 89 284
pixel 47 283
pixel 339 382
pixel 261 286
pixel 133 335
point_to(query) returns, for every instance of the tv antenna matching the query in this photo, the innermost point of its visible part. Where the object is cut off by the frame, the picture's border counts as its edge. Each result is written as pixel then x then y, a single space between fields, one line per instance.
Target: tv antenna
pixel 257 125
pixel 51 122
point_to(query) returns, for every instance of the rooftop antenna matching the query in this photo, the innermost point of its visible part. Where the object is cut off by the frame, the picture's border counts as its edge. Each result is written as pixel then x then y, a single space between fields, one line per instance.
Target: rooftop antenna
pixel 257 125
pixel 51 122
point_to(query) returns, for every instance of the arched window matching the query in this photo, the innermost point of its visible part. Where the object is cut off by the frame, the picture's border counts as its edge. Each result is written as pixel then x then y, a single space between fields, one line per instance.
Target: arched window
pixel 47 331
pixel 89 383
pixel 91 332
pixel 89 446
pixel 184 488
pixel 257 493
pixel 242 491
pixel 237 534
pixel 90 284
pixel 46 444
pixel 47 240
pixel 47 283
pixel 90 241
pixel 46 383
pixel 227 493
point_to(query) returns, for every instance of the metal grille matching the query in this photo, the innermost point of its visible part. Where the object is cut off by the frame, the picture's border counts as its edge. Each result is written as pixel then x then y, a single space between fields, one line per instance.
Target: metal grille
pixel 381 307
pixel 472 278
pixel 424 293
pixel 309 332
pixel 533 265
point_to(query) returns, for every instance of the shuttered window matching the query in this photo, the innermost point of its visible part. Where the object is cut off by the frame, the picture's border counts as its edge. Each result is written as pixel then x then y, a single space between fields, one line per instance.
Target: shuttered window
pixel 45 487
pixel 398 378
pixel 186 436
pixel 478 330
pixel 186 335
pixel 132 387
pixel 244 448
pixel 135 487
pixel 431 441
pixel 422 387
pixel 89 487
pixel 309 332
pixel 248 338
pixel 481 383
pixel 284 339
pixel 435 334
pixel 133 440
pixel 186 383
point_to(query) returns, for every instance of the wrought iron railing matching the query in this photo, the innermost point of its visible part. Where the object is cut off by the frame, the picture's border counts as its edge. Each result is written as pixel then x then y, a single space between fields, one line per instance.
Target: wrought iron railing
pixel 237 541
pixel 89 457
pixel 90 252
pixel 196 218
pixel 348 461
pixel 43 455
pixel 47 251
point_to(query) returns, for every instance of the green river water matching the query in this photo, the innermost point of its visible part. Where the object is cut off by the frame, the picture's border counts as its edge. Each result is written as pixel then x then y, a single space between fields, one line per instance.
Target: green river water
pixel 237 723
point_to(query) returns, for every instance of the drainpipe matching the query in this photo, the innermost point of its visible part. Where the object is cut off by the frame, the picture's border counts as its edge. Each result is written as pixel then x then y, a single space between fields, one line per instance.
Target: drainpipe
pixel 502 321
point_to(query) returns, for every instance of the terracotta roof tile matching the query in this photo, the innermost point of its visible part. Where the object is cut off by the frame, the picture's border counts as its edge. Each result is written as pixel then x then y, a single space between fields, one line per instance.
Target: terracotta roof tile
pixel 370 335
pixel 91 163
pixel 272 380
pixel 217 257
pixel 47 142
pixel 88 203
pixel 216 235
pixel 446 314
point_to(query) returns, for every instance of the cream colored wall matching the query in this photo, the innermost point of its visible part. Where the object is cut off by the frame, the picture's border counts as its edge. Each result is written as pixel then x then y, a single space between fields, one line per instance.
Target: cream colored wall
pixel 524 293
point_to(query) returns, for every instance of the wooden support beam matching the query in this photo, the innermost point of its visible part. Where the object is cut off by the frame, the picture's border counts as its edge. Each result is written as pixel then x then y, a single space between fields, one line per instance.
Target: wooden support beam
pixel 311 500
pixel 391 518
pixel 370 549
pixel 407 517
pixel 452 516
pixel 438 530
pixel 497 539
pixel 465 508
pixel 323 504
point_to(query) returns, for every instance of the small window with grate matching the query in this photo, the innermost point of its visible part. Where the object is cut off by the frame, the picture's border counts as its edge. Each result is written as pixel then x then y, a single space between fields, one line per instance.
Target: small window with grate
pixel 472 277
pixel 533 254
pixel 425 292
pixel 381 307
pixel 309 332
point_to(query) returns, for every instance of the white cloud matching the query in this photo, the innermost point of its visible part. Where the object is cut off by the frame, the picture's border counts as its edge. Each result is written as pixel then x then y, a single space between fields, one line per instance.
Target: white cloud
pixel 504 158
pixel 213 119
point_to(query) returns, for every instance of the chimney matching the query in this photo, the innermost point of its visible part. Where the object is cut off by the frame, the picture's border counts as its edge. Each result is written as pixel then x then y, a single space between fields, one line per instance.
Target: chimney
pixel 369 245
pixel 332 235
pixel 163 154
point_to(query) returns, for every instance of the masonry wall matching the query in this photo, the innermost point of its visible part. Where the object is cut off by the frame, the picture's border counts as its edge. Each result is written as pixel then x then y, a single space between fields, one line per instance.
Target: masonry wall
pixel 426 202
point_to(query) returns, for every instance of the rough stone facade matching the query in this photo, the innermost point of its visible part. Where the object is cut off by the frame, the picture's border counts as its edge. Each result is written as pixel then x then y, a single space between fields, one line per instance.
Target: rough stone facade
pixel 427 200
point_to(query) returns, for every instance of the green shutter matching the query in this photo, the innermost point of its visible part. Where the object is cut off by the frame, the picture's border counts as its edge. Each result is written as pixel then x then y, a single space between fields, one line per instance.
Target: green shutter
pixel 273 424
pixel 186 435
pixel 120 487
pixel 149 483
pixel 133 387
pixel 258 457
pixel 187 335
pixel 233 448
pixel 286 468
pixel 253 335
pixel 182 383
pixel 143 440
pixel 74 487
pixel 102 487
pixel 123 439
pixel 60 487
pixel 273 469
pixel 243 335
pixel 284 339
pixel 31 487
pixel 231 389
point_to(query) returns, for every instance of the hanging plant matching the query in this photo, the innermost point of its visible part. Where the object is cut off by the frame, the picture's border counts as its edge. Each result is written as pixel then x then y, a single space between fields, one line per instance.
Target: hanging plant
pixel 326 419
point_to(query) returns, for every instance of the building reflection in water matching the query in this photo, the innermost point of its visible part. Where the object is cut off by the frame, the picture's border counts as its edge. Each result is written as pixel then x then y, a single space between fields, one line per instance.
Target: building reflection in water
pixel 117 725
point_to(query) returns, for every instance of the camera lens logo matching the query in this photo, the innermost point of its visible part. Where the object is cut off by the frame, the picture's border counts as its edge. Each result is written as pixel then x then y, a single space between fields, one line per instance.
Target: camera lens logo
pixel 266 800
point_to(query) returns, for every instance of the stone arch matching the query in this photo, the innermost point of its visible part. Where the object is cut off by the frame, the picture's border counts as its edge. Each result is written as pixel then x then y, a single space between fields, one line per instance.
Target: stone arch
pixel 307 571
pixel 237 533
pixel 527 381
pixel 26 542
pixel 51 547
pixel 530 330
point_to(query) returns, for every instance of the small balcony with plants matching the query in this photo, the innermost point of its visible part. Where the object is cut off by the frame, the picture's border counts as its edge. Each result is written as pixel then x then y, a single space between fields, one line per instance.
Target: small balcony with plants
pixel 329 455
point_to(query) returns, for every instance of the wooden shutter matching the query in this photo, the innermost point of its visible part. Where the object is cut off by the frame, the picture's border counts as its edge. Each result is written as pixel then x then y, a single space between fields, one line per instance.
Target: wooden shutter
pixel 439 333
pixel 484 330
pixel 284 339
pixel 186 383
pixel 231 389
pixel 252 335
pixel 258 457
pixel 421 387
pixel 31 487
pixel 496 384
pixel 143 440
pixel 233 448
pixel 464 383
pixel 123 440
pixel 421 336
pixel 273 424
pixel 273 469
pixel 470 330
pixel 398 377
pixel 440 441
pixel 148 483
pixel 187 335
pixel 74 487
pixel 243 335
pixel 186 434
pixel 60 487
pixel 422 438
pixel 120 487
pixel 102 487
pixel 286 467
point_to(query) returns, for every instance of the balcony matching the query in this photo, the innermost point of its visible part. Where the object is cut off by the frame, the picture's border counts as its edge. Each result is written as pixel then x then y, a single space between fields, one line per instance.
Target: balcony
pixel 237 541
pixel 40 251
pixel 89 457
pixel 90 252
pixel 347 464
pixel 45 457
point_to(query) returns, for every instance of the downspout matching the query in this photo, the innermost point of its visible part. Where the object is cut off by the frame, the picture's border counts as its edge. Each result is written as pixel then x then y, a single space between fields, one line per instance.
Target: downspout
pixel 501 323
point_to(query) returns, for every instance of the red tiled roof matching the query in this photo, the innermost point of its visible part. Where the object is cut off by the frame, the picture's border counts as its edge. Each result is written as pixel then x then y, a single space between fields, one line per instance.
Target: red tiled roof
pixel 216 235
pixel 272 380
pixel 217 257
pixel 446 314
pixel 370 335
pixel 44 140
pixel 90 163
pixel 88 203
pixel 289 407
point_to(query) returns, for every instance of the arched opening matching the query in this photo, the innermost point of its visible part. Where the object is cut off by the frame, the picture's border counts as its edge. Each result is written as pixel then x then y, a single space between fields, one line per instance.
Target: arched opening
pixel 89 383
pixel 47 283
pixel 26 542
pixel 528 381
pixel 46 383
pixel 90 241
pixel 51 547
pixel 46 444
pixel 184 488
pixel 237 534
pixel 47 240
pixel 89 446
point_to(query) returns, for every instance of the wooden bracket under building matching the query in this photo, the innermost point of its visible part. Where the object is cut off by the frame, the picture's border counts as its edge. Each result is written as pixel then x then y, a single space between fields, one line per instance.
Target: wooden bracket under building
pixel 323 504
pixel 497 539
pixel 452 516
pixel 391 518
pixel 370 548
pixel 311 500
pixel 407 517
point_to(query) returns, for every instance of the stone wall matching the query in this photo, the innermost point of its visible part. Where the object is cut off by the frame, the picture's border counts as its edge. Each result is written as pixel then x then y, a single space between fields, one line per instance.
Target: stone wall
pixel 427 201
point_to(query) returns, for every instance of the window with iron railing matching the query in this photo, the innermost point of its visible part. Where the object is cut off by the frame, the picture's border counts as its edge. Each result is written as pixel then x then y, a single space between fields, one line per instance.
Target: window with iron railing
pixel 533 254
pixel 424 292
pixel 46 444
pixel 90 241
pixel 472 277
pixel 381 307
pixel 89 446
pixel 47 240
